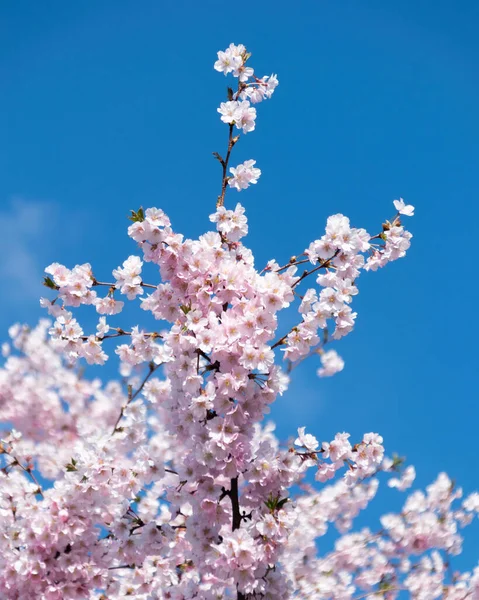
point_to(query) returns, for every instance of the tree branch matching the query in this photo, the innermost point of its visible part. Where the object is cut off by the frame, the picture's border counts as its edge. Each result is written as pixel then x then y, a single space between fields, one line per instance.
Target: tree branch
pixel 120 333
pixel 28 470
pixel 113 285
pixel 131 396
pixel 234 496
pixel 325 263
pixel 224 163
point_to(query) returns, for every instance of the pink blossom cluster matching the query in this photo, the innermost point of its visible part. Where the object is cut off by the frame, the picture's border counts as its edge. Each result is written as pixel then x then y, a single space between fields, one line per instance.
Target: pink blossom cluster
pixel 396 239
pixel 237 110
pixel 233 60
pixel 244 175
pixel 338 257
pixel 363 459
pixel 167 483
pixel 412 552
pixel 232 224
pixel 331 363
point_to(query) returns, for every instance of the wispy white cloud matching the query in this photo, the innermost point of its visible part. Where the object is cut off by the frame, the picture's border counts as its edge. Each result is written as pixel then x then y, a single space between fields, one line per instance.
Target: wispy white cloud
pixel 26 226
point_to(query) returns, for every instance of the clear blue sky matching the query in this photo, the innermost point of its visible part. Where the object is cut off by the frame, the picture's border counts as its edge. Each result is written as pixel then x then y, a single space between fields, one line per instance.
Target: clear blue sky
pixel 105 106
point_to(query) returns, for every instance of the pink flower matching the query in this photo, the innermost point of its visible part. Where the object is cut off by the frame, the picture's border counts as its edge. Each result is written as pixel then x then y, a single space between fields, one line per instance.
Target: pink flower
pixel 403 208
pixel 306 440
pixel 244 175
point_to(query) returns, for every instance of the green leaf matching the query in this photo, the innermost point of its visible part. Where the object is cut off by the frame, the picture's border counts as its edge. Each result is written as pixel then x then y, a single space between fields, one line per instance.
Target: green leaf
pixel 398 462
pixel 273 503
pixel 138 216
pixel 49 283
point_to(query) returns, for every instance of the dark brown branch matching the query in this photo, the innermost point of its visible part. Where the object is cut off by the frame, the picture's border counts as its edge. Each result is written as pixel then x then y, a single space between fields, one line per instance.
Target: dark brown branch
pixel 231 142
pixel 280 342
pixel 292 262
pixel 120 333
pixel 224 164
pixel 113 285
pixel 234 497
pixel 326 263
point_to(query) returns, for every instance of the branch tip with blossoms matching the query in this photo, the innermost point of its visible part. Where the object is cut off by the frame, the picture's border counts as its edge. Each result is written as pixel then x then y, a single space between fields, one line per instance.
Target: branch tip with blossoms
pixel 238 112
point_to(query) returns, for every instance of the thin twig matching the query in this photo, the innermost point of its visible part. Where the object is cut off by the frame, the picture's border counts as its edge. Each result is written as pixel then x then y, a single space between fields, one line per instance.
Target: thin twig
pixel 113 285
pixel 132 396
pixel 224 163
pixel 292 263
pixel 120 333
pixel 326 263
pixel 28 469
pixel 231 142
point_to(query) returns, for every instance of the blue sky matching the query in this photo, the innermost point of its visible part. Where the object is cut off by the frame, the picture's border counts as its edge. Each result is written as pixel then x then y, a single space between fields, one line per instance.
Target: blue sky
pixel 106 106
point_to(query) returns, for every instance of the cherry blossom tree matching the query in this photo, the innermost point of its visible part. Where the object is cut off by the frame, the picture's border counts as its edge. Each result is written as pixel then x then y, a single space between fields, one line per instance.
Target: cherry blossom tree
pixel 167 482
